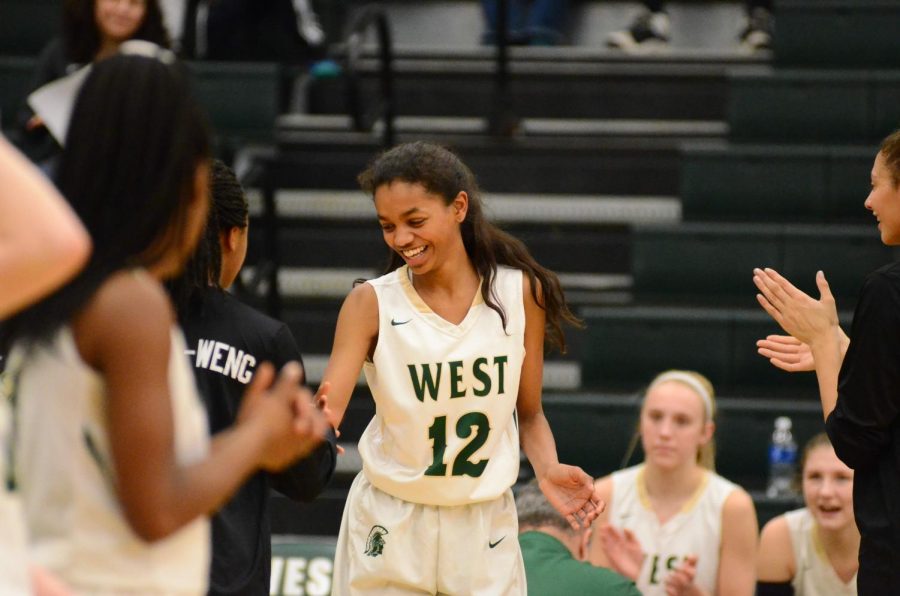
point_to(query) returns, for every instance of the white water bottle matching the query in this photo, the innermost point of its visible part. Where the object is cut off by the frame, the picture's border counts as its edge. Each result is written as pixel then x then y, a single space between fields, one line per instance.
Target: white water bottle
pixel 782 460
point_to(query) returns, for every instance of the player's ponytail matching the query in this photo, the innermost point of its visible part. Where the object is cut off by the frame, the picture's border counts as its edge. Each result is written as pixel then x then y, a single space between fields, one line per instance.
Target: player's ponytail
pixel 441 172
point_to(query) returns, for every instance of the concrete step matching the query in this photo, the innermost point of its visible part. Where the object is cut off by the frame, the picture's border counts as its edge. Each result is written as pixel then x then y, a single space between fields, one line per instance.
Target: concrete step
pixel 502 208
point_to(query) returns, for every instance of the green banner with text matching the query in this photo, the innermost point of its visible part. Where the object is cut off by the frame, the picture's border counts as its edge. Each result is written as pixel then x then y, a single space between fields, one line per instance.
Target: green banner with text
pixel 302 565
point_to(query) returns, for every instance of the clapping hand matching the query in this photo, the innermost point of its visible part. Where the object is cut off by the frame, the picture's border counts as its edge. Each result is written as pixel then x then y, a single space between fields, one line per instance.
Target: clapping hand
pixel 623 551
pixel 806 319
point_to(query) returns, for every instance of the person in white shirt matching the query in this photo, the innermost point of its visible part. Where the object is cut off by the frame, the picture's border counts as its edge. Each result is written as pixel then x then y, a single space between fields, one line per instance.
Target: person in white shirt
pixel 452 343
pixel 672 524
pixel 813 551
pixel 42 244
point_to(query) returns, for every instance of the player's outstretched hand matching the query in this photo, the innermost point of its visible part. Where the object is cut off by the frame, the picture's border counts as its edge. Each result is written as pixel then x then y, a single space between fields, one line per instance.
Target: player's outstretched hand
pixel 680 581
pixel 322 404
pixel 290 423
pixel 623 550
pixel 803 317
pixel 571 491
pixel 787 353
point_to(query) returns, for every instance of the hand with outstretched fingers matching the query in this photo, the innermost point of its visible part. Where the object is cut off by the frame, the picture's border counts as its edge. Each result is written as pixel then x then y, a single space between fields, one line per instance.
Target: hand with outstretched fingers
pixel 623 550
pixel 806 319
pixel 787 353
pixel 572 492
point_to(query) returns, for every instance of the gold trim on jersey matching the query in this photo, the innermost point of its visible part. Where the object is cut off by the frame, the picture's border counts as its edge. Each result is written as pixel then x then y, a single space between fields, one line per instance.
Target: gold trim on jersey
pixel 427 313
pixel 644 496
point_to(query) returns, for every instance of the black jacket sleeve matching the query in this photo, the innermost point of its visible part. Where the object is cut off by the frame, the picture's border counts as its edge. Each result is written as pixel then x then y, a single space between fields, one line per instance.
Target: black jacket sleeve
pixel 774 589
pixel 307 478
pixel 869 384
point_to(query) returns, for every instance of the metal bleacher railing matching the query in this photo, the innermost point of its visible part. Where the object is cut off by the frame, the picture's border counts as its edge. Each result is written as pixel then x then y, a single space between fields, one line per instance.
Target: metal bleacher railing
pixel 272 170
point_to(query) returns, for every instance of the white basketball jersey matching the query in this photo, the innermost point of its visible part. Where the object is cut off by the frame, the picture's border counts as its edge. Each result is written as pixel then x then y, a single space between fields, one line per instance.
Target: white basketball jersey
pixel 65 473
pixel 815 576
pixel 696 529
pixel 444 431
pixel 14 579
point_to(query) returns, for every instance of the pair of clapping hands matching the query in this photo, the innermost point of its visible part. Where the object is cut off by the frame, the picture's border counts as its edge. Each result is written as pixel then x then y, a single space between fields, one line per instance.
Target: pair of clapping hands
pixel 626 556
pixel 291 420
pixel 809 322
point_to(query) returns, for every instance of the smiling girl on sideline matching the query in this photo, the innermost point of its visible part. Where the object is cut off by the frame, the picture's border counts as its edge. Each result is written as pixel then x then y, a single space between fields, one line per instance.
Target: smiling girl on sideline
pixel 673 525
pixel 813 551
pixel 859 376
pixel 452 342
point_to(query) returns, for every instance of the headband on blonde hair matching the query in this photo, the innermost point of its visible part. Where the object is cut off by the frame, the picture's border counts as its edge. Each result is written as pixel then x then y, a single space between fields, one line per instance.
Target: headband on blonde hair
pixel 690 381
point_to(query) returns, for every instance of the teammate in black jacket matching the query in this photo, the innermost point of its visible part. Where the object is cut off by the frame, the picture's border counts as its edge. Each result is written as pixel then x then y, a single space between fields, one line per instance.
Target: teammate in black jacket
pixel 226 341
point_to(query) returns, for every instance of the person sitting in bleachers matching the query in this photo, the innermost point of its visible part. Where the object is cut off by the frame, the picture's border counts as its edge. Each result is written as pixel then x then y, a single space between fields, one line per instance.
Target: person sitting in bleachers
pixel 671 523
pixel 813 551
pixel 650 28
pixel 92 30
pixel 529 22
pixel 263 30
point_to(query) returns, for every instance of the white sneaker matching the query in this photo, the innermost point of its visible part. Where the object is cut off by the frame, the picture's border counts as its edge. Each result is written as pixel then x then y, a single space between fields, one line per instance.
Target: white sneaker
pixel 648 31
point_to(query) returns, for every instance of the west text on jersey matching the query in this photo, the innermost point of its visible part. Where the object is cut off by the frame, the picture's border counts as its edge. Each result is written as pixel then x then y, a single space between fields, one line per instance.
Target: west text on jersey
pixel 482 376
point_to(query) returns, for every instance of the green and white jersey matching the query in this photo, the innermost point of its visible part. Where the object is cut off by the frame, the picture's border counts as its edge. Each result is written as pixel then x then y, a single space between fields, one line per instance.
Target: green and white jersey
pixel 65 474
pixel 815 576
pixel 696 529
pixel 444 431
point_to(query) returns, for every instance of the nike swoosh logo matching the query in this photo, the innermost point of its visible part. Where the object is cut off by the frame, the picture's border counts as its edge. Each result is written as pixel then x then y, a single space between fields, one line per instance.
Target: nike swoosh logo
pixel 493 544
pixel 395 323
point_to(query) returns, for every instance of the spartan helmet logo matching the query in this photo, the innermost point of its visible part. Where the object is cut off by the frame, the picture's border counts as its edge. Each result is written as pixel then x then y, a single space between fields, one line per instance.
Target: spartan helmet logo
pixel 375 541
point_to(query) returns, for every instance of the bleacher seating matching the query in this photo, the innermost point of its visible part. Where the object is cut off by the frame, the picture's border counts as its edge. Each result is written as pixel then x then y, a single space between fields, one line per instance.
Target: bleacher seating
pixel 813 105
pixel 712 262
pixel 240 99
pixel 837 33
pixel 775 182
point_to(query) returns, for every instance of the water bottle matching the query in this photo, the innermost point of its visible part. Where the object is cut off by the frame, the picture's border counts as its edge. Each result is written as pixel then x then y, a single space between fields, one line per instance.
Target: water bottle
pixel 782 460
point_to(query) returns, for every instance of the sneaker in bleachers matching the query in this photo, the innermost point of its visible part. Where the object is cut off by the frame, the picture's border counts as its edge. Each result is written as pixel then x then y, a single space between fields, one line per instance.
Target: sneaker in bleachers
pixel 757 35
pixel 648 32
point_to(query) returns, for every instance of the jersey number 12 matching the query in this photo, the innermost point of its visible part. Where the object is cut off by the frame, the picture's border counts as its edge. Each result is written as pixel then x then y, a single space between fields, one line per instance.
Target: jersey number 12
pixel 462 465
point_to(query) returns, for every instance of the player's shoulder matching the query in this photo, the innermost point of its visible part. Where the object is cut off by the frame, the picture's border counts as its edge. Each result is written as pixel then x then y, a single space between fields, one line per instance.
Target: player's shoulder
pixel 363 298
pixel 883 282
pixel 129 310
pixel 776 561
pixel 386 279
pixel 737 501
pixel 775 530
pixel 604 486
pixel 131 295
